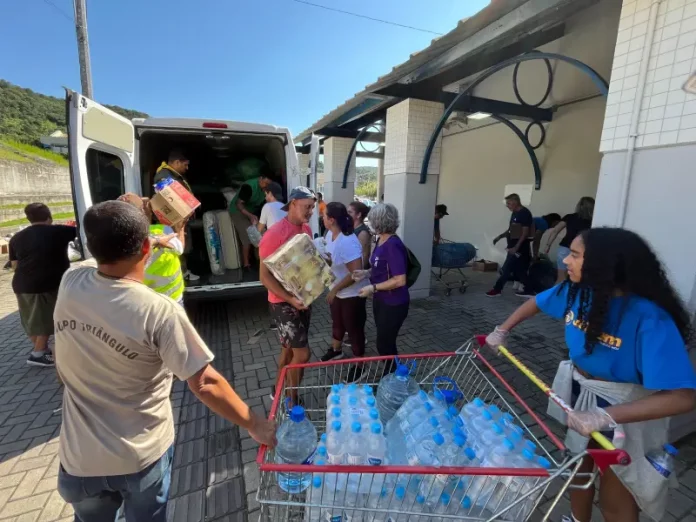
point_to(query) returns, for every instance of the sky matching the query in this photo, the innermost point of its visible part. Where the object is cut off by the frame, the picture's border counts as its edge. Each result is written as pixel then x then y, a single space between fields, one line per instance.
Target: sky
pixel 267 61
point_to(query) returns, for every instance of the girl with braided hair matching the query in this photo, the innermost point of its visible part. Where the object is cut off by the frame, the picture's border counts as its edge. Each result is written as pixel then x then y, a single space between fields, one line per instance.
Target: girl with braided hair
pixel 626 331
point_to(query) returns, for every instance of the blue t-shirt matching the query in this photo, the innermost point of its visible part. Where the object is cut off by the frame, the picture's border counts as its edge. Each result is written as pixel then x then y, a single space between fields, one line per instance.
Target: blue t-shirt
pixel 640 343
pixel 540 224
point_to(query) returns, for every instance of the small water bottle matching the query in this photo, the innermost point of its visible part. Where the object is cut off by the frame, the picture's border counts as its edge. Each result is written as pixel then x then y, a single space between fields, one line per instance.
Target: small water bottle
pixel 662 459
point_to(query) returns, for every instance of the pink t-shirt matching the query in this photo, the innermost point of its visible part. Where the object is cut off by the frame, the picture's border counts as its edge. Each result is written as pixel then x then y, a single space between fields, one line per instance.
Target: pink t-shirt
pixel 274 238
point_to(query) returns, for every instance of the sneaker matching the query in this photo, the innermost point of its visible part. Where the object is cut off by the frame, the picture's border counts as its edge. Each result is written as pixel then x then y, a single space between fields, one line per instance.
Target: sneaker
pixel 44 361
pixel 331 354
pixel 517 286
pixel 355 374
pixel 272 394
pixel 273 327
pixel 525 294
pixel 190 276
pixel 493 293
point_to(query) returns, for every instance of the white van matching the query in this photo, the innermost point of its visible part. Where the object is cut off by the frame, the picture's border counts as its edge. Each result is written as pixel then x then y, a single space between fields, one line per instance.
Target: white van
pixel 110 155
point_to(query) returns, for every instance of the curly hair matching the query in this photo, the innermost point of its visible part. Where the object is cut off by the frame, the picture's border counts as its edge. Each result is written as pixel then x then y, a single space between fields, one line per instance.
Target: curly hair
pixel 620 260
pixel 585 208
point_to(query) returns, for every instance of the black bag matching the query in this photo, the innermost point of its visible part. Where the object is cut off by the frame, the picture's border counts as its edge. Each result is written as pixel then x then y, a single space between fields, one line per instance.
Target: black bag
pixel 413 268
pixel 541 276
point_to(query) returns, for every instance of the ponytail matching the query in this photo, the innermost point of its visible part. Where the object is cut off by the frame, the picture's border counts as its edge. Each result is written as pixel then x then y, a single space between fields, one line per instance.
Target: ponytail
pixel 339 213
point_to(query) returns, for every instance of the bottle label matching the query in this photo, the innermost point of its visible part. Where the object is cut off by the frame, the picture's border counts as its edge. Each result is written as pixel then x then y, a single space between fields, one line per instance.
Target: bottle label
pixel 374 461
pixel 310 459
pixel 357 412
pixel 659 467
pixel 336 518
pixel 355 460
pixel 336 460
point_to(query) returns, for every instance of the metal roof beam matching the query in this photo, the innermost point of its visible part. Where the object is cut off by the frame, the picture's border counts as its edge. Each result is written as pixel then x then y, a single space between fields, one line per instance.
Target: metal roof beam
pixel 373 155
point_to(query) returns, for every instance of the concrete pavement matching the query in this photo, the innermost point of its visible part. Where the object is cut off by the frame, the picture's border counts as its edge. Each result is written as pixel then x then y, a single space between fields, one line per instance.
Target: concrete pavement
pixel 215 476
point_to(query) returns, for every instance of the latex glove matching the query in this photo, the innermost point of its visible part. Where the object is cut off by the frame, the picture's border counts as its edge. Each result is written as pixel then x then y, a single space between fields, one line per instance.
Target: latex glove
pixel 367 291
pixel 586 422
pixel 360 275
pixel 496 338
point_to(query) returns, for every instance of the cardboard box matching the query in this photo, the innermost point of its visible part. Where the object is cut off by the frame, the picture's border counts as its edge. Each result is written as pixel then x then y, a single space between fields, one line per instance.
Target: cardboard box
pixel 172 203
pixel 485 266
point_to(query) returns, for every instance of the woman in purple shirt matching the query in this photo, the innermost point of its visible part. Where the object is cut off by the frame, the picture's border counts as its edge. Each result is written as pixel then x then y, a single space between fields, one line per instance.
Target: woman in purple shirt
pixel 389 263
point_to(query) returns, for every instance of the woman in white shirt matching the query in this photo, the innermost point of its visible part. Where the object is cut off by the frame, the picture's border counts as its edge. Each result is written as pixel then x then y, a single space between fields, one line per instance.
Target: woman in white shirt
pixel 347 307
pixel 272 211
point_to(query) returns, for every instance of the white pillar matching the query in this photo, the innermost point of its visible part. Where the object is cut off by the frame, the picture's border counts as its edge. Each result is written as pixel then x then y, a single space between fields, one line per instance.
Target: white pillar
pixel 303 169
pixel 335 156
pixel 380 180
pixel 409 127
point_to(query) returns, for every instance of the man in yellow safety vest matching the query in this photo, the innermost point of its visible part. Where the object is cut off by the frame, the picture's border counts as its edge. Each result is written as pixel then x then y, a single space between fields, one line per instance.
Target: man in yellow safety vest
pixel 163 268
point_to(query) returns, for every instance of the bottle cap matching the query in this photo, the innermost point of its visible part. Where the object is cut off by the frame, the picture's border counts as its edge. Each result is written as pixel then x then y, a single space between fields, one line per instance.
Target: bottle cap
pixel 459 440
pixel 319 462
pixel 458 421
pixel 543 462
pixel 368 389
pixel 466 503
pixel 428 407
pixel 401 370
pixel 376 428
pixel 370 402
pixel 671 450
pixel 530 445
pixel 335 388
pixel 487 415
pixel 321 450
pixel 335 400
pixel 528 455
pixel 470 453
pixel 456 430
pixel 336 425
pixel 353 401
pixel 438 439
pixel 479 403
pixel 494 409
pixel 297 414
pixel 445 498
pixel 508 444
pixel 317 482
pixel 423 396
pixel 352 388
pixel 420 499
pixel 497 429
pixel 453 412
pixel 374 414
pixel 515 437
pixel 356 427
pixel 400 492
pixel 434 422
pixel 507 417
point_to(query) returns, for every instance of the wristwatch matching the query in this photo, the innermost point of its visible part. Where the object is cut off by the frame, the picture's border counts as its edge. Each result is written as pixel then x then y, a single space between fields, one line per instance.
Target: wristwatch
pixel 374 289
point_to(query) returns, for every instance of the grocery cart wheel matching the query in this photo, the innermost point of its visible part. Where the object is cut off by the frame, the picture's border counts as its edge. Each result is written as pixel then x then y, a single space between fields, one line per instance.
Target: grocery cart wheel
pixel 462 289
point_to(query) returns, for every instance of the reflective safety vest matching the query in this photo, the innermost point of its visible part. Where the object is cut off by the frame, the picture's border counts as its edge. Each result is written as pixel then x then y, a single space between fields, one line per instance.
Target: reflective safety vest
pixel 163 274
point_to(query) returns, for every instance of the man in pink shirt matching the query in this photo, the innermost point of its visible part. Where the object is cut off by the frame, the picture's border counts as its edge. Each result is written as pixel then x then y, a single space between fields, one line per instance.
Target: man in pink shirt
pixel 290 316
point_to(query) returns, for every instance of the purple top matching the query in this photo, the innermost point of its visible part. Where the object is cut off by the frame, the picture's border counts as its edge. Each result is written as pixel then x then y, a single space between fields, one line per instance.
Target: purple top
pixel 388 260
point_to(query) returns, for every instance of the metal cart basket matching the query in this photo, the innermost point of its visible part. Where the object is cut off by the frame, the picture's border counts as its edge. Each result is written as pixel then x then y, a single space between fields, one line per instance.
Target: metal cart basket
pixel 474 375
pixel 448 256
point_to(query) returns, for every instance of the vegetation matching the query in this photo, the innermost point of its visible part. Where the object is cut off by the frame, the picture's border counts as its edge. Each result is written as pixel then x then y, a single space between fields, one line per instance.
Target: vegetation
pixel 12 206
pixel 26 116
pixel 366 182
pixel 23 221
pixel 25 152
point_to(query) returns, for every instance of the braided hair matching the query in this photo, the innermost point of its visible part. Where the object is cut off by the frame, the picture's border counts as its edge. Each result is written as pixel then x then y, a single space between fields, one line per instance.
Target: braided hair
pixel 620 260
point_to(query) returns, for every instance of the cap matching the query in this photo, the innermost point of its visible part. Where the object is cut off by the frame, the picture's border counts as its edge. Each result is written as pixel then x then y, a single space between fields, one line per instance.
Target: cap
pixel 497 429
pixel 530 445
pixel 423 396
pixel 459 440
pixel 320 462
pixel 470 453
pixel 370 401
pixel 420 499
pixel 508 444
pixel 454 412
pixel 487 415
pixel 376 428
pixel 335 388
pixel 438 439
pixel 336 412
pixel 317 482
pixel 478 402
pixel 543 462
pixel 323 437
pixel 353 401
pixel 433 421
pixel 466 503
pixel 297 414
pixel 507 417
pixel 356 427
pixel 374 414
pixel 441 209
pixel 445 498
pixel 494 409
pixel 335 399
pixel 299 193
pixel 368 389
pixel 428 407
pixel 528 455
pixel 400 492
pixel 336 425
pixel 321 450
pixel 352 388
pixel 401 370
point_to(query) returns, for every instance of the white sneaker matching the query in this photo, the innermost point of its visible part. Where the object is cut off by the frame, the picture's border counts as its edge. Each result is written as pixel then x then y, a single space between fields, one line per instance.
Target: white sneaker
pixel 517 286
pixel 191 276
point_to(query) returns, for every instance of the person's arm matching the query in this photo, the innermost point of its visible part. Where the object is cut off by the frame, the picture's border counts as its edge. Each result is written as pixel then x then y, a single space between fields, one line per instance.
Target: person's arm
pixel 263 220
pixel 537 243
pixel 213 390
pixel 499 237
pixel 12 255
pixel 245 194
pixel 397 261
pixel 365 242
pixel 347 281
pixel 554 234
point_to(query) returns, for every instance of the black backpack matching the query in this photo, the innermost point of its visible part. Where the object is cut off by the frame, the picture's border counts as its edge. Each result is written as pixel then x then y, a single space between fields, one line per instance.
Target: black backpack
pixel 413 268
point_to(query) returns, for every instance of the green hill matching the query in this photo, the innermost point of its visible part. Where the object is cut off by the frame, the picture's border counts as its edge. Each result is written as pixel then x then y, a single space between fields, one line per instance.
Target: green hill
pixel 25 115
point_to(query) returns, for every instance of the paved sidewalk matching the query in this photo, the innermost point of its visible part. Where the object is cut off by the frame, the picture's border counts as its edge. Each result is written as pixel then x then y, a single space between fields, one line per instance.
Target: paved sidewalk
pixel 215 476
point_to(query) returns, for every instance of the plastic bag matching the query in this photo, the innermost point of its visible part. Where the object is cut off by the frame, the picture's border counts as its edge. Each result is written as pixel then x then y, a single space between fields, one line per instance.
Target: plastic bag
pixel 254 235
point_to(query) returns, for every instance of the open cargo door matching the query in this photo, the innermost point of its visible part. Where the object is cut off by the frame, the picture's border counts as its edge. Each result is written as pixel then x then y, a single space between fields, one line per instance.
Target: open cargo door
pixel 101 146
pixel 314 150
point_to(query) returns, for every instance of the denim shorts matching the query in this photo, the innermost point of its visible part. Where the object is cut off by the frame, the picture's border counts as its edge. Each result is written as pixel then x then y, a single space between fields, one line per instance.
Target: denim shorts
pixel 561 254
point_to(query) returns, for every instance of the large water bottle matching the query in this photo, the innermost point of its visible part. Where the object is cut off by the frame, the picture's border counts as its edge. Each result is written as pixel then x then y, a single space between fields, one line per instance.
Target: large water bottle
pixel 422 431
pixel 472 410
pixel 412 403
pixel 662 459
pixel 482 487
pixel 393 390
pixel 297 441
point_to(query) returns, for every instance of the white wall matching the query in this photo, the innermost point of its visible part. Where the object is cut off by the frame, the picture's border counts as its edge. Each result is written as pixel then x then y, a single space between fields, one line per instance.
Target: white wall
pixel 476 166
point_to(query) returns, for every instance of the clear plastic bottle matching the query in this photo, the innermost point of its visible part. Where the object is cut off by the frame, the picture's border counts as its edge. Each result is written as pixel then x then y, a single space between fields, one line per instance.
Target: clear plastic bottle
pixel 422 431
pixel 415 418
pixel 491 436
pixel 297 442
pixel 375 502
pixel 356 455
pixel 316 496
pixel 376 456
pixel 335 444
pixel 334 414
pixel 472 410
pixel 393 390
pixel 662 459
pixel 482 487
pixel 334 394
pixel 413 403
pixel 399 502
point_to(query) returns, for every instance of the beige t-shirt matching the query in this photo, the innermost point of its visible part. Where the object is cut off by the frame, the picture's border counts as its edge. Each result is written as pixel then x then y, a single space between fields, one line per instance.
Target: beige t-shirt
pixel 117 345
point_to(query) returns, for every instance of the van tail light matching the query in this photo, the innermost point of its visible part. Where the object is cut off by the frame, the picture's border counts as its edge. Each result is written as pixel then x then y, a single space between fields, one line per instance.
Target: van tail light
pixel 214 125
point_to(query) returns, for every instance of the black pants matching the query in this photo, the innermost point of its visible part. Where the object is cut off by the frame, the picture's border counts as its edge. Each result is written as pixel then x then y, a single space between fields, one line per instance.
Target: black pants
pixel 516 267
pixel 388 319
pixel 348 316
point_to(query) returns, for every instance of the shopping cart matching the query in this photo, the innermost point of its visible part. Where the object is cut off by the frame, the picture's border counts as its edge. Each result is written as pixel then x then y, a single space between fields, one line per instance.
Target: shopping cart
pixel 448 256
pixel 475 376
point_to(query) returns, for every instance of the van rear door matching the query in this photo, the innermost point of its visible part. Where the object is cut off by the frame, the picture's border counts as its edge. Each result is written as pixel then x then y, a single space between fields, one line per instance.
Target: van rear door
pixel 101 148
pixel 314 150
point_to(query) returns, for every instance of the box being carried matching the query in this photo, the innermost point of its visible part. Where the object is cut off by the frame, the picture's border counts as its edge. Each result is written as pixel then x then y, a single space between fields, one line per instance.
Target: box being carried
pixel 298 266
pixel 172 203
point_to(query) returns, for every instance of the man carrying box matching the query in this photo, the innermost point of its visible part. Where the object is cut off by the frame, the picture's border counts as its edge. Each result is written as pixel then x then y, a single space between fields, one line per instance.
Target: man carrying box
pixel 290 315
pixel 244 208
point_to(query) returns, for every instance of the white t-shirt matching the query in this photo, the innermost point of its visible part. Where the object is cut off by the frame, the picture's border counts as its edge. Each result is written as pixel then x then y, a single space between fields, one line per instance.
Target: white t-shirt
pixel 271 213
pixel 118 343
pixel 343 250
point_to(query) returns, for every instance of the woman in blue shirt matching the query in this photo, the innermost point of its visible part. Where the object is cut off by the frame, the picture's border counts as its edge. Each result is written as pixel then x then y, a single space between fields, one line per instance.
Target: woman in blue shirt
pixel 624 323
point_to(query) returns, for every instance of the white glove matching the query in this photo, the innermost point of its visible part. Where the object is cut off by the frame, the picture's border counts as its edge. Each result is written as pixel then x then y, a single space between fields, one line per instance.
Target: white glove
pixel 360 275
pixel 587 422
pixel 496 338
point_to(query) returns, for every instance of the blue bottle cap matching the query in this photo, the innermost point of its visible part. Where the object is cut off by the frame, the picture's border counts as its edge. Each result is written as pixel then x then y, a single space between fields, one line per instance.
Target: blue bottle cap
pixel 543 462
pixel 356 427
pixel 445 498
pixel 479 403
pixel 428 407
pixel 321 450
pixel 497 429
pixel 487 415
pixel 317 482
pixel 454 412
pixel 456 430
pixel 335 388
pixel 400 492
pixel 494 409
pixel 423 396
pixel 370 402
pixel 508 444
pixel 466 503
pixel 420 499
pixel 507 417
pixel 528 455
pixel 367 389
pixel 323 438
pixel 374 414
pixel 470 453
pixel 516 429
pixel 376 428
pixel 530 445
pixel 335 400
pixel 459 440
pixel 401 370
pixel 352 388
pixel 671 450
pixel 340 386
pixel 434 422
pixel 439 439
pixel 458 421
pixel 297 414
pixel 319 462
pixel 515 437
pixel 336 412
pixel 353 401
pixel 336 425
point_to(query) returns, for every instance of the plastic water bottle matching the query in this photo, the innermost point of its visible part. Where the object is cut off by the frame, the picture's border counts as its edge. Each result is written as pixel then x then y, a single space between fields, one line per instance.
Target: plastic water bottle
pixel 297 442
pixel 393 390
pixel 412 403
pixel 356 455
pixel 662 459
pixel 482 487
pixel 316 496
pixel 353 501
pixel 432 454
pixel 492 435
pixel 472 410
pixel 334 396
pixel 422 430
pixel 415 418
pixel 420 507
pixel 495 412
pixel 398 503
pixel 427 453
pixel 335 444
pixel 375 502
pixel 334 414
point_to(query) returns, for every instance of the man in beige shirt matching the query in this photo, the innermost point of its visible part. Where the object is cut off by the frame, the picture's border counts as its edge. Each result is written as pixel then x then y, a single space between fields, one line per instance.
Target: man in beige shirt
pixel 118 345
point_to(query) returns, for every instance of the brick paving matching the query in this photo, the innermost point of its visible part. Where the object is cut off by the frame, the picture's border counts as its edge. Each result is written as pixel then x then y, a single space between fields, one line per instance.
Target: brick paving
pixel 215 477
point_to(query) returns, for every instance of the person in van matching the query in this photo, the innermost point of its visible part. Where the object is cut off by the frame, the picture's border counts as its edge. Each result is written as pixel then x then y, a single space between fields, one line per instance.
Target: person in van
pixel 176 167
pixel 272 211
pixel 244 211
pixel 163 267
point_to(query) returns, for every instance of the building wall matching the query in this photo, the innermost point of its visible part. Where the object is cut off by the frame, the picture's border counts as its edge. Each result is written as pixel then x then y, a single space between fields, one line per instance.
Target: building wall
pixel 477 166
pixel 34 179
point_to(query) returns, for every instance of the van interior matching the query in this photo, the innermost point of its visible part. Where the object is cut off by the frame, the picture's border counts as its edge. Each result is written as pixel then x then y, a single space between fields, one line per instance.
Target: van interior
pixel 214 160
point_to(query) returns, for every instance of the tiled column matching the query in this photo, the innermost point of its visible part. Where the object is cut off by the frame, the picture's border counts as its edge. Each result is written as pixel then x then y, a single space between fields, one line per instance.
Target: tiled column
pixel 335 155
pixel 380 180
pixel 410 125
